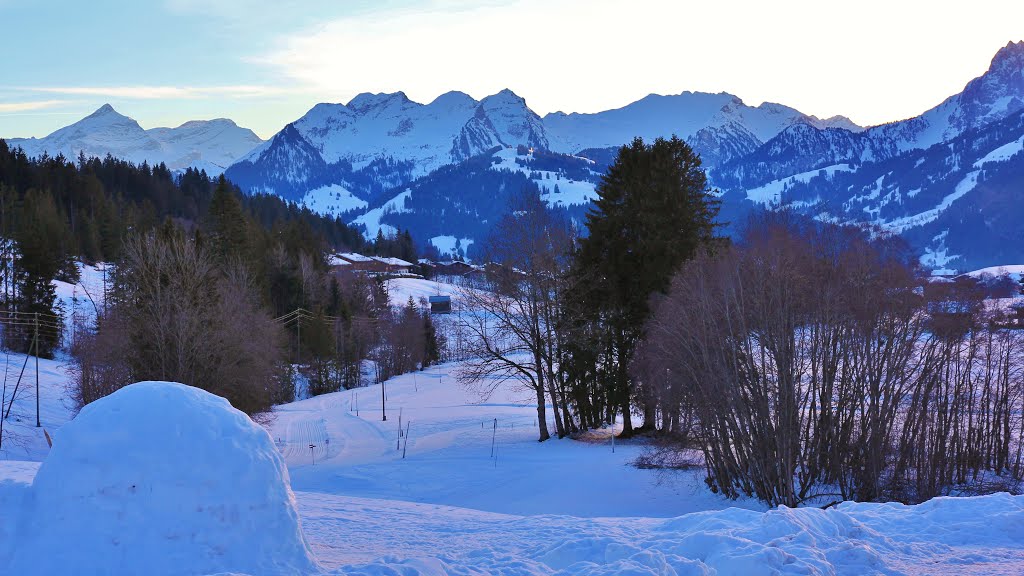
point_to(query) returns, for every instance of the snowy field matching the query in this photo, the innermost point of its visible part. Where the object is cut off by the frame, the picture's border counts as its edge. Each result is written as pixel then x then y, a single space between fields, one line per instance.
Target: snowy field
pixel 469 490
pixel 559 507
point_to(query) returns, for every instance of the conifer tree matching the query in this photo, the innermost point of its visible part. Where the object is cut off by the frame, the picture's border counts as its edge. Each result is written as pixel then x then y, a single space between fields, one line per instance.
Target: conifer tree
pixel 653 211
pixel 41 240
pixel 228 224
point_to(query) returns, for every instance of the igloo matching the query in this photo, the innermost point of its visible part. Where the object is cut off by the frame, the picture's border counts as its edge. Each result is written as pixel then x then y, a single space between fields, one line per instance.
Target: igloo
pixel 161 478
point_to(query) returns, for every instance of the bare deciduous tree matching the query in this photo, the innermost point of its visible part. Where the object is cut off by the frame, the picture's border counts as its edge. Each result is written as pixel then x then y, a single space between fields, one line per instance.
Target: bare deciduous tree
pixel 510 321
pixel 176 316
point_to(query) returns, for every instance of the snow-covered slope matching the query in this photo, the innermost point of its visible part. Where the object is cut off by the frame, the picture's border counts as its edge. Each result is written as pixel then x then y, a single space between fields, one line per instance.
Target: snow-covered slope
pixel 211 145
pixel 449 507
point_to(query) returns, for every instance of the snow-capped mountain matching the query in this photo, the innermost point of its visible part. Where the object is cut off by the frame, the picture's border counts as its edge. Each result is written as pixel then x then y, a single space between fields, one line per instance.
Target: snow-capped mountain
pixel 991 97
pixel 212 145
pixel 949 180
pixel 447 169
pixel 803 146
pixel 397 139
pixel 405 140
pixel 683 115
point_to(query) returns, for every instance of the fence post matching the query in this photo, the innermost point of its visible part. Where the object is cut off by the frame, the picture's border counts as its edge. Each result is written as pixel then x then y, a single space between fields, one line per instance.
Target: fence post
pixel 37 370
pixel 494 434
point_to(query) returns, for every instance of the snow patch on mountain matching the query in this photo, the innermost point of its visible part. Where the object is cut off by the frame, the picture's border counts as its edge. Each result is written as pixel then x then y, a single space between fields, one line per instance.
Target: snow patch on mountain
pixel 1002 153
pixel 450 246
pixel 555 190
pixel 772 191
pixel 333 200
pixel 964 186
pixel 371 219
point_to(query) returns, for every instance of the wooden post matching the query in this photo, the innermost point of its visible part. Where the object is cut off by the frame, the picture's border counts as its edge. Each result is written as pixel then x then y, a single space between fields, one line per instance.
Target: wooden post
pixel 406 445
pixel 494 435
pixel 37 370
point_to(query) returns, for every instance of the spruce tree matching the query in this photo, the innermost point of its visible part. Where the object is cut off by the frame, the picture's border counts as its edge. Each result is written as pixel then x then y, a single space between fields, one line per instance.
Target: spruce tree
pixel 41 238
pixel 653 211
pixel 228 224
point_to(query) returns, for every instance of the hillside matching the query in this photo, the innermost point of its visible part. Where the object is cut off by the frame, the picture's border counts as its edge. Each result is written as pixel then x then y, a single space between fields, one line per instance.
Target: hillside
pixel 561 507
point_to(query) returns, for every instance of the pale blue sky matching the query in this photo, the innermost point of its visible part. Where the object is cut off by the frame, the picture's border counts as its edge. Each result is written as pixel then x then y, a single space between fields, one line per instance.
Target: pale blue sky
pixel 264 63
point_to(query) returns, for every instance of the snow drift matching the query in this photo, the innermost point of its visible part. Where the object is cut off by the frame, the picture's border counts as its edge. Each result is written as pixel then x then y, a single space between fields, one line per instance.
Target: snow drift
pixel 162 479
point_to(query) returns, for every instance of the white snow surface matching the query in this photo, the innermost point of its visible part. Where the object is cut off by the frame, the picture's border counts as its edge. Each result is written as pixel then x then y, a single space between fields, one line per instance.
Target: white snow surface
pixel 1013 270
pixel 371 218
pixel 1002 153
pixel 161 478
pixel 401 289
pixel 446 244
pixel 332 200
pixel 771 191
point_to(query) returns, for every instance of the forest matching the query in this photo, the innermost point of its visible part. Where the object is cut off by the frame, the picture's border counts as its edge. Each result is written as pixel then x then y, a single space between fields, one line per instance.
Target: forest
pixel 201 284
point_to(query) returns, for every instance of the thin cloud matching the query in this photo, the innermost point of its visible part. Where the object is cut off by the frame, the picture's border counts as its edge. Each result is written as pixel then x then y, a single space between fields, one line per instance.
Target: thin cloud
pixel 9 107
pixel 575 57
pixel 165 92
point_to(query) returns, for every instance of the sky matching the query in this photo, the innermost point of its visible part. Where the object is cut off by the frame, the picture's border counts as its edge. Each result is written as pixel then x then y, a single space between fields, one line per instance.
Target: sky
pixel 264 63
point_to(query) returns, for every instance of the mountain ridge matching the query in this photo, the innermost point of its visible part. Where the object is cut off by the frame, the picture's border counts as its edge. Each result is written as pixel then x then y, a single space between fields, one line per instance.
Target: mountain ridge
pixel 447 167
pixel 210 145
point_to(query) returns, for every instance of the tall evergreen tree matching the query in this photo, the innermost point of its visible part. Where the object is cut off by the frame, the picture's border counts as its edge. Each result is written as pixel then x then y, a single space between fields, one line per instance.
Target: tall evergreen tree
pixel 654 210
pixel 228 224
pixel 41 240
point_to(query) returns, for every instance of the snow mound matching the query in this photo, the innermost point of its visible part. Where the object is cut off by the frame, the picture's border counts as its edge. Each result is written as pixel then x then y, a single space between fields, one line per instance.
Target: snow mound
pixel 161 478
pixel 965 536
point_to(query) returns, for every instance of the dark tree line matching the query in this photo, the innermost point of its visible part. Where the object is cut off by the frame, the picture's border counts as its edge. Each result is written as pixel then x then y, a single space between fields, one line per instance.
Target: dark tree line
pixel 54 211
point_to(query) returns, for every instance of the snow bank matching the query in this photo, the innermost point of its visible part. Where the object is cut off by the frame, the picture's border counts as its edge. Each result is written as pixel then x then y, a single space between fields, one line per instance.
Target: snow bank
pixel 981 535
pixel 161 478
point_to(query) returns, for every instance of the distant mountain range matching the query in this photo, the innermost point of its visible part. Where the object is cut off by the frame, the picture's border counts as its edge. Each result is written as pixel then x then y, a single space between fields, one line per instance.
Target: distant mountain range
pixel 951 180
pixel 210 145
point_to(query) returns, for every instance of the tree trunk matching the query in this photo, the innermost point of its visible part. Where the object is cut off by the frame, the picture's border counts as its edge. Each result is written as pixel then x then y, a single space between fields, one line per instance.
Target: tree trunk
pixel 542 421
